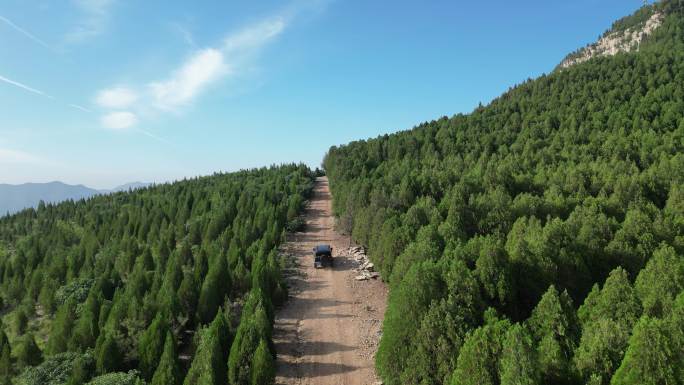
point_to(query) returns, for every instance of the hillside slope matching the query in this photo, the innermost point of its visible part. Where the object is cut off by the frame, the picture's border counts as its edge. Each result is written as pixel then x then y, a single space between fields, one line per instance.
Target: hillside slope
pixel 539 239
pixel 172 284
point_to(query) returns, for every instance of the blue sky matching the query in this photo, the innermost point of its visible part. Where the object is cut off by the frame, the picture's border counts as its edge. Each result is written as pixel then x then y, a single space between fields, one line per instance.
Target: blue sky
pixel 103 92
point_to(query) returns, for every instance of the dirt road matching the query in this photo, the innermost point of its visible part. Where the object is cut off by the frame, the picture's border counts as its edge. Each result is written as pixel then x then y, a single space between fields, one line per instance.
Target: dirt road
pixel 328 331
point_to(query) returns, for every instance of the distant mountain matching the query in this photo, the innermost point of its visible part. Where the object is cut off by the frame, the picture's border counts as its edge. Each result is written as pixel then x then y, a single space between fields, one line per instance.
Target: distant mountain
pixel 127 187
pixel 14 198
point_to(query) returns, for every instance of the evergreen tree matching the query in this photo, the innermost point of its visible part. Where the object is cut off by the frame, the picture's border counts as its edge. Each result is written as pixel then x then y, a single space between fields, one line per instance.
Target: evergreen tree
pixel 436 345
pixel 86 329
pixel 83 369
pixel 554 327
pixel 214 288
pixel 240 359
pixel 408 304
pixel 263 365
pixel 519 358
pixel 478 361
pixel 651 358
pixel 5 357
pixel 27 351
pixel 188 294
pixel 168 371
pixel 220 327
pixel 608 319
pixel 108 356
pixel 61 328
pixel 660 281
pixel 207 367
pixel 151 346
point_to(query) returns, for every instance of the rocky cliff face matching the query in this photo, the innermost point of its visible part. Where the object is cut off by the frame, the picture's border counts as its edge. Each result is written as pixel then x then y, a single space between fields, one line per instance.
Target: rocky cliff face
pixel 613 43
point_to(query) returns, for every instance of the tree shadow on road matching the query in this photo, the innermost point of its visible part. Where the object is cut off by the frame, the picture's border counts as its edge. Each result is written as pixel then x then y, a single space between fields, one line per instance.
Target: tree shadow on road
pixel 318 369
pixel 312 348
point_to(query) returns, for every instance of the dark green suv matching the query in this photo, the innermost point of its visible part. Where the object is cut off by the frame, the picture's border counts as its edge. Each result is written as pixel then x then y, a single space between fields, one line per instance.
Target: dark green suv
pixel 323 256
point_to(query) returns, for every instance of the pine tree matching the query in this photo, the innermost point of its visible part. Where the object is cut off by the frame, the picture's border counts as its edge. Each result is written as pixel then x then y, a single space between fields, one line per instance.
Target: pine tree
pixel 263 365
pixel 220 327
pixel 83 369
pixel 188 294
pixel 151 346
pixel 214 288
pixel 660 281
pixel 5 358
pixel 241 355
pixel 478 361
pixel 168 371
pixel 108 356
pixel 61 328
pixel 519 358
pixel 86 329
pixel 554 326
pixel 207 367
pixel 608 318
pixel 409 302
pixel 436 345
pixel 27 351
pixel 651 358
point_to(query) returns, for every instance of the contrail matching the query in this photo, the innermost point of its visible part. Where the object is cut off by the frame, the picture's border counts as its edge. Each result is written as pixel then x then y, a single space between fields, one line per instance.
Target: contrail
pixel 153 136
pixel 25 32
pixel 24 87
pixel 76 106
pixel 39 92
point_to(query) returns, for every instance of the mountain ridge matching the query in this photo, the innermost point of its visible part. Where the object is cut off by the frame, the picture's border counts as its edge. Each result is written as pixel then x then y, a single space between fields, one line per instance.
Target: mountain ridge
pixel 16 197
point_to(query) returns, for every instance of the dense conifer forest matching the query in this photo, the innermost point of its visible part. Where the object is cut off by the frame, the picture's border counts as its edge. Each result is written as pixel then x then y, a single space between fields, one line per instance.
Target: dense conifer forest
pixel 539 239
pixel 168 285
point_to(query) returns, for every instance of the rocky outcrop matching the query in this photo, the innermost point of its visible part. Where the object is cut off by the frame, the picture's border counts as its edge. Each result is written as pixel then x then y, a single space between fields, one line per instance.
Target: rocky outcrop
pixel 616 42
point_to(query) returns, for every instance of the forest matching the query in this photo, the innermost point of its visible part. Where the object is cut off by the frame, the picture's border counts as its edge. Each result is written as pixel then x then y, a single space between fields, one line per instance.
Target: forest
pixel 540 238
pixel 173 284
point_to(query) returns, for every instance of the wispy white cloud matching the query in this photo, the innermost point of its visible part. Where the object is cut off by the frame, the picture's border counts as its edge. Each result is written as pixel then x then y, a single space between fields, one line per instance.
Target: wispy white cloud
pixel 254 36
pixel 95 17
pixel 208 66
pixel 203 69
pixel 25 32
pixel 10 156
pixel 24 87
pixel 116 97
pixel 120 120
pixel 200 71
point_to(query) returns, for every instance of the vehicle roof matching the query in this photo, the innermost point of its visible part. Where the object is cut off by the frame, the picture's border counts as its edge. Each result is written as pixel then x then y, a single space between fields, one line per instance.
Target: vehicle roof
pixel 323 248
